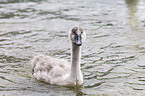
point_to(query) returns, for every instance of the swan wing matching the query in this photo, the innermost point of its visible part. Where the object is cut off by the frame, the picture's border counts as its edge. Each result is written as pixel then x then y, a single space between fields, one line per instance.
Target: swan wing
pixel 48 69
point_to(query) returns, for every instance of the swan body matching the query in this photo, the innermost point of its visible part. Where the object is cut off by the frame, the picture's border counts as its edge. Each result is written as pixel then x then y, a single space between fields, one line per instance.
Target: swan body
pixel 58 71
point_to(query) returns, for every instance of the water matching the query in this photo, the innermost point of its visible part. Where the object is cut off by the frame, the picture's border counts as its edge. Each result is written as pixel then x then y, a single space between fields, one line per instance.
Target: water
pixel 113 56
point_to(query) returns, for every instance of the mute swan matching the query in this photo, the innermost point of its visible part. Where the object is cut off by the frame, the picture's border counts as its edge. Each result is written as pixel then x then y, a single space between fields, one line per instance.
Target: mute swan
pixel 60 72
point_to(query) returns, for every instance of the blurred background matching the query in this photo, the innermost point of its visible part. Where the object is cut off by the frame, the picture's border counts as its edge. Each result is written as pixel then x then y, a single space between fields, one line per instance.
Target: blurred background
pixel 113 56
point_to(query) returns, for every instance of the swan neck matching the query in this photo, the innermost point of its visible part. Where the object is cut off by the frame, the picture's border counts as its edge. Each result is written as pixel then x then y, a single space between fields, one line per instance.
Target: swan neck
pixel 75 61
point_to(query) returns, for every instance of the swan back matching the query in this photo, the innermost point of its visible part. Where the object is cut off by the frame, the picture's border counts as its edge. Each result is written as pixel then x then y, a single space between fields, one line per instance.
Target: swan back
pixel 48 69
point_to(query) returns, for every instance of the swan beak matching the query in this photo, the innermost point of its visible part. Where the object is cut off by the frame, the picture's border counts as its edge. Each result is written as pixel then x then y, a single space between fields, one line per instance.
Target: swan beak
pixel 78 40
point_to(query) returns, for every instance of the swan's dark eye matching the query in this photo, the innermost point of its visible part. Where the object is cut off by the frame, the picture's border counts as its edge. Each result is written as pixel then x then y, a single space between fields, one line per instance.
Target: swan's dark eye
pixel 82 32
pixel 74 32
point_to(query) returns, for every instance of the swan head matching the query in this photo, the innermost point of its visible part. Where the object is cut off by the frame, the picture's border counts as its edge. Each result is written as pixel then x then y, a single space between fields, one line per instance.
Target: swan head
pixel 77 35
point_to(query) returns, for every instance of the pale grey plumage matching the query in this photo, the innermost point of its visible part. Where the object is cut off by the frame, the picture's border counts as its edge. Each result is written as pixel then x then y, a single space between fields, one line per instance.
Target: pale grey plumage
pixel 58 71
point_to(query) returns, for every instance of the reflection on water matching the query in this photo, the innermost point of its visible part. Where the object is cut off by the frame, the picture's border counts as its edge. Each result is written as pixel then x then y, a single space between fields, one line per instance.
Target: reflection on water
pixel 112 56
pixel 138 42
pixel 132 6
pixel 14 1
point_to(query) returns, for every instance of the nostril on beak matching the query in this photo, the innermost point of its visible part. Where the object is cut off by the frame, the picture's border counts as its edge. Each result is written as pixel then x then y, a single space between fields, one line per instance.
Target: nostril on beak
pixel 78 40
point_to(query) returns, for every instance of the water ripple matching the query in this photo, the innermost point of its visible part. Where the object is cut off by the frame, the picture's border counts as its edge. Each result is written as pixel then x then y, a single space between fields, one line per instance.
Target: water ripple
pixel 14 33
pixel 112 57
pixel 11 59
